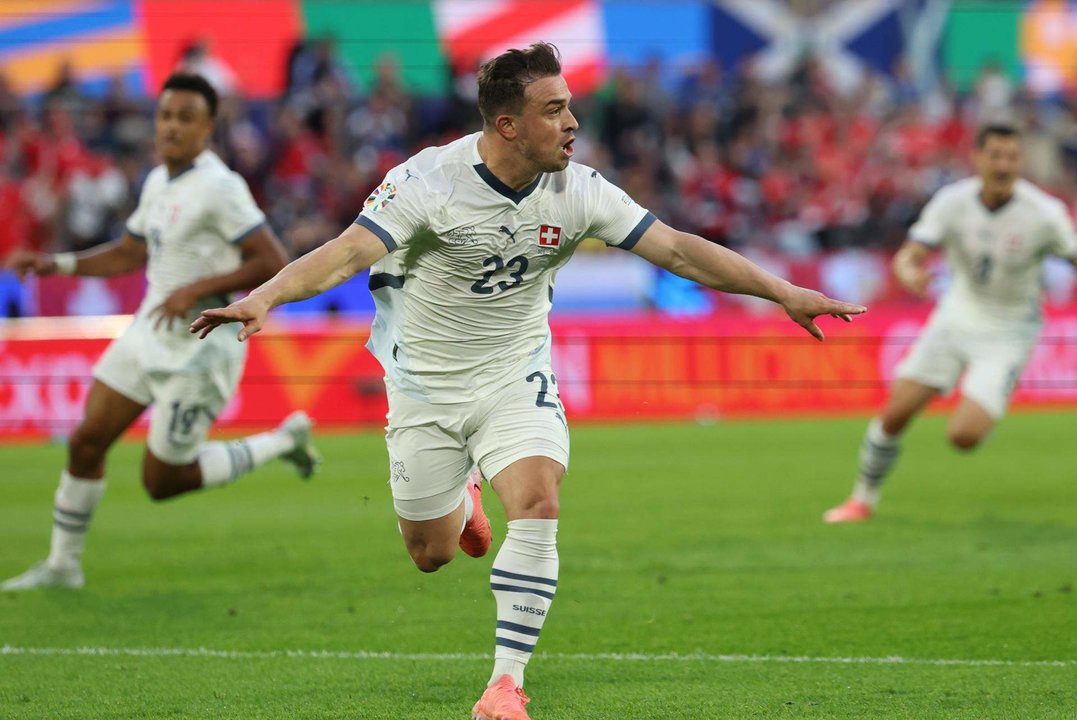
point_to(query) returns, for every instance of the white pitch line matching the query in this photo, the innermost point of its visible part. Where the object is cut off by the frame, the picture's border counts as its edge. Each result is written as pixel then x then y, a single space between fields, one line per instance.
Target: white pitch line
pixel 201 652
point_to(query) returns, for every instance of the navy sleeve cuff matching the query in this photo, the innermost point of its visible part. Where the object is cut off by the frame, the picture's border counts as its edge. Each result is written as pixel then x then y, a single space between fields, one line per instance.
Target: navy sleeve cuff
pixel 378 230
pixel 637 232
pixel 247 233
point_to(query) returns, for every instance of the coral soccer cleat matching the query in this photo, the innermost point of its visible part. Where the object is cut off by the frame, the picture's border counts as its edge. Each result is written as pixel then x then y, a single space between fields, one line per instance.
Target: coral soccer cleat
pixel 475 539
pixel 501 701
pixel 849 511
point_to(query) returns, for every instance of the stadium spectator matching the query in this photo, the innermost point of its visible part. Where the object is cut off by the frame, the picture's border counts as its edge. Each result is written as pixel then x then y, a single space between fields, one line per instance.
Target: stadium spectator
pixel 630 129
pixel 201 237
pixel 198 59
pixel 997 229
pixel 801 168
pixel 14 217
pixel 65 92
pixel 10 105
pixel 96 192
pixel 314 74
pixel 438 234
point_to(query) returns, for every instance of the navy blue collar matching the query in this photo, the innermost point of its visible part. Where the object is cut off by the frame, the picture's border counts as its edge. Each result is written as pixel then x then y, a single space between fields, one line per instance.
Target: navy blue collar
pixel 187 169
pixel 515 195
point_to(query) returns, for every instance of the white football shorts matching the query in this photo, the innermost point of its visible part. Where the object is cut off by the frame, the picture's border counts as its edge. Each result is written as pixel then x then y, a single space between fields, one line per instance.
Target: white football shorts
pixel 185 399
pixel 432 447
pixel 992 362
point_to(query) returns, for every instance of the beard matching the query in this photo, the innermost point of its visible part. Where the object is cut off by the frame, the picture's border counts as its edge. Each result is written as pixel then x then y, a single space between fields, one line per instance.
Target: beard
pixel 545 162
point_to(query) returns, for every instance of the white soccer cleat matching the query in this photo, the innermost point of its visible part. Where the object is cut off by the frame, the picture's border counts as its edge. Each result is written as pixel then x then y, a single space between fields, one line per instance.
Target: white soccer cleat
pixel 43 576
pixel 305 457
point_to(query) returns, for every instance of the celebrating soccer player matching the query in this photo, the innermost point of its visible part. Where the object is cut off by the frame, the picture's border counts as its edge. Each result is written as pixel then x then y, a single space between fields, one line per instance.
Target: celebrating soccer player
pixel 464 242
pixel 200 236
pixel 997 231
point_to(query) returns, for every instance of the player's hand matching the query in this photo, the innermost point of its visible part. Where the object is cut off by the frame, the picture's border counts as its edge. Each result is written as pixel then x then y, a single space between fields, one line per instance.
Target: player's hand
pixel 24 262
pixel 804 305
pixel 175 307
pixel 914 278
pixel 251 311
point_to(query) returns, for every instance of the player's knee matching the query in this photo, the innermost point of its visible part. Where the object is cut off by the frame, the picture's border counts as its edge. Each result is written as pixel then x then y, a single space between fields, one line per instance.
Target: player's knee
pixel 159 482
pixel 429 564
pixel 431 552
pixel 544 508
pixel 85 451
pixel 430 558
pixel 156 487
pixel 964 440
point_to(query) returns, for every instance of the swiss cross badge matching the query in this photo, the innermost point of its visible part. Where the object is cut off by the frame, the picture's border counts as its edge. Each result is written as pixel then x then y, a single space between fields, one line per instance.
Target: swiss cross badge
pixel 549 236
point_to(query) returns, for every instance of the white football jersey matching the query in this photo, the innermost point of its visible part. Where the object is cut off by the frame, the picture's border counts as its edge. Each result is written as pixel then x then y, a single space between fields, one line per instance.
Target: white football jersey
pixel 192 224
pixel 995 256
pixel 464 295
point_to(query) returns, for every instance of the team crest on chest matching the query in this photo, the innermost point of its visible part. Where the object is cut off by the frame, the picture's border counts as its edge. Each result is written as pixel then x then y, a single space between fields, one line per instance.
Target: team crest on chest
pixel 549 236
pixel 463 235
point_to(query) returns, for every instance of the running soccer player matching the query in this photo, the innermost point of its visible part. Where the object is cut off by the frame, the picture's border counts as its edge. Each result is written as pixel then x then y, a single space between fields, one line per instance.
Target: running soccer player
pixel 997 229
pixel 200 236
pixel 464 242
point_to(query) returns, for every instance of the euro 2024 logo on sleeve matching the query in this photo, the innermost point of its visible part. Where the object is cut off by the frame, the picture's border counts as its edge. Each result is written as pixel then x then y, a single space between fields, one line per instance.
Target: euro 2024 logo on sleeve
pixel 380 197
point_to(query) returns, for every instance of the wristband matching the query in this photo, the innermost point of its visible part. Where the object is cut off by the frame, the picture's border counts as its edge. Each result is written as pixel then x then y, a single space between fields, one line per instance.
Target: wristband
pixel 65 263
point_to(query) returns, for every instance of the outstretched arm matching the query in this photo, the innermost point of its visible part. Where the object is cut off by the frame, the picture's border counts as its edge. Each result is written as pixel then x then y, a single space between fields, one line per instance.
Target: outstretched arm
pixel 910 267
pixel 694 258
pixel 113 258
pixel 263 257
pixel 353 251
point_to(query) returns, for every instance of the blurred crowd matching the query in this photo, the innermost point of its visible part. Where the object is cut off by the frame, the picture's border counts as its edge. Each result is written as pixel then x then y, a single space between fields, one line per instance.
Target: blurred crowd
pixel 795 168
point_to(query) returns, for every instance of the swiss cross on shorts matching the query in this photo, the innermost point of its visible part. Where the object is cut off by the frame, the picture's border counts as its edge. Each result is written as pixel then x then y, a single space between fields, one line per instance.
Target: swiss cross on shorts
pixel 549 236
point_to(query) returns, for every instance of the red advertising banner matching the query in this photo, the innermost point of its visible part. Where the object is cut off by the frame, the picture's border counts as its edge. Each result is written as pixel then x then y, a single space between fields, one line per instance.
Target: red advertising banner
pixel 640 367
pixel 740 364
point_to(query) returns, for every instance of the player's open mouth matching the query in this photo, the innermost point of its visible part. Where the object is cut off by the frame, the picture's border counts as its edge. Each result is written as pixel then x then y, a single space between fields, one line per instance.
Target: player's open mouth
pixel 567 147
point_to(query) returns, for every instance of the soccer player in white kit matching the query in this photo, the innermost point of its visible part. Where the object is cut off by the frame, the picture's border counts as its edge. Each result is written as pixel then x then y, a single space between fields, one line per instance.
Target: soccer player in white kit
pixel 997 230
pixel 201 237
pixel 464 242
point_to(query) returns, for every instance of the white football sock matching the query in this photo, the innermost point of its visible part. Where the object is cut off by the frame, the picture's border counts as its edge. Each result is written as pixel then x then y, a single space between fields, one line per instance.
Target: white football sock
pixel 878 453
pixel 224 462
pixel 524 579
pixel 72 510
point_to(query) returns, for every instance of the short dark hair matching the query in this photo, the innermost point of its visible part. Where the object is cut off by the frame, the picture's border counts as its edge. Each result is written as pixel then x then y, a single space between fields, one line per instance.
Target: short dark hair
pixel 998 129
pixel 503 79
pixel 193 83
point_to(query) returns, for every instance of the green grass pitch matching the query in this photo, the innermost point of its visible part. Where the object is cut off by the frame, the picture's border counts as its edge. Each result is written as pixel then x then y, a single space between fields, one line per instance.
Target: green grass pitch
pixel 697 581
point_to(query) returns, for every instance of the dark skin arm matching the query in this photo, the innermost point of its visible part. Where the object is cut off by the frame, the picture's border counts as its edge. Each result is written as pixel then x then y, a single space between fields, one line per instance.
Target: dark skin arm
pixel 113 258
pixel 353 251
pixel 263 257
